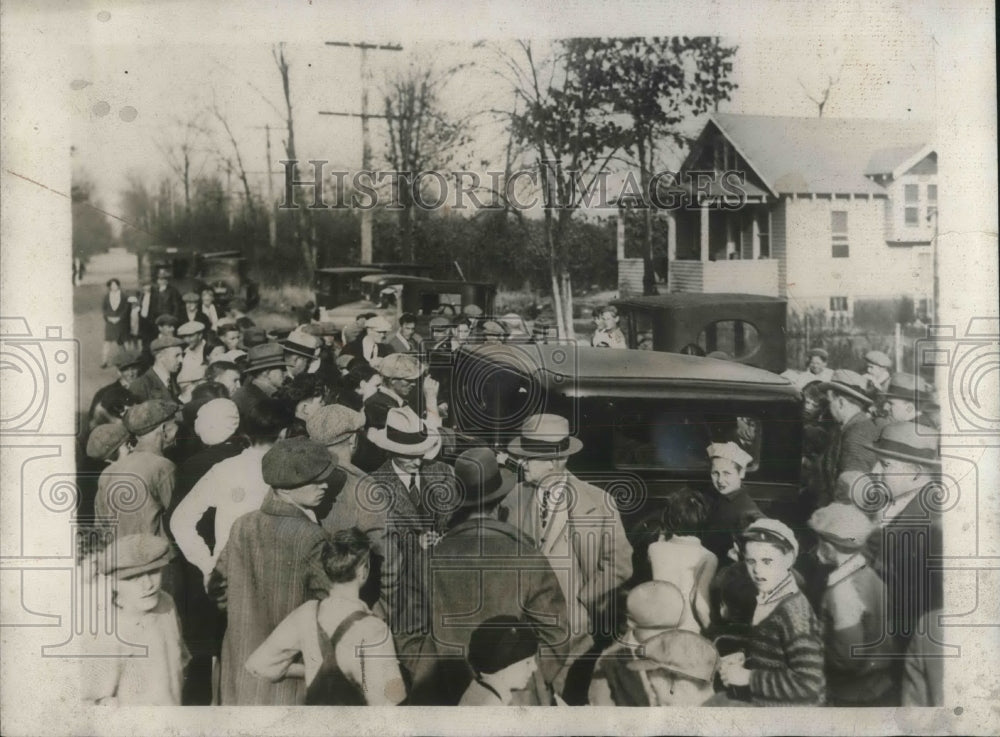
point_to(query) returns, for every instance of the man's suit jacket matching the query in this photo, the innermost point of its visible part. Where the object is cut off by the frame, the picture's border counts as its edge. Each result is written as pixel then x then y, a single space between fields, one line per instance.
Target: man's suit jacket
pixel 355 348
pixel 586 545
pixel 395 521
pixel 483 568
pixel 167 302
pixel 151 386
pixel 847 452
pixel 270 565
pixel 198 316
pixel 398 346
pixel 247 398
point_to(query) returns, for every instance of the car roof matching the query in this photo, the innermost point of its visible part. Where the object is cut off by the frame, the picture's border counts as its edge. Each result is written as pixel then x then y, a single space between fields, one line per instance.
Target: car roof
pixel 350 270
pixel 457 283
pixel 695 299
pixel 617 371
pixel 391 278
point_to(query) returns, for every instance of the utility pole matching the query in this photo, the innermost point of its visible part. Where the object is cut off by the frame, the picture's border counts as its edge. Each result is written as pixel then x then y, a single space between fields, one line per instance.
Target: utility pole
pixel 272 209
pixel 366 148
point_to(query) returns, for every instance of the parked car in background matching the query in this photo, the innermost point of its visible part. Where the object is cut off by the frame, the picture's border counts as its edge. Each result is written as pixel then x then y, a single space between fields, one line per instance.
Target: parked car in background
pixel 340 285
pixel 226 272
pixel 749 328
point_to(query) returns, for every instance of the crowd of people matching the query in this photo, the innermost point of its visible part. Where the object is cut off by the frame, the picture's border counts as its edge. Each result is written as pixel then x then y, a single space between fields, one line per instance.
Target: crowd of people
pixel 292 524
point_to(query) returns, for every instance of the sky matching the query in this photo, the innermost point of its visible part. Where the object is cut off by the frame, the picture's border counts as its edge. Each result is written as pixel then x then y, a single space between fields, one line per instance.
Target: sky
pixel 138 78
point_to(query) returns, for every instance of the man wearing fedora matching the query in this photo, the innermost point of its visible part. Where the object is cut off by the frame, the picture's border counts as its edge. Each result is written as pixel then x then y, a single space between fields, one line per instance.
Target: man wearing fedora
pixel 300 350
pixel 908 398
pixel 848 447
pixel 265 369
pixel 411 498
pixel 272 564
pixel 371 345
pixel 908 467
pixel 160 380
pixel 484 568
pixel 578 528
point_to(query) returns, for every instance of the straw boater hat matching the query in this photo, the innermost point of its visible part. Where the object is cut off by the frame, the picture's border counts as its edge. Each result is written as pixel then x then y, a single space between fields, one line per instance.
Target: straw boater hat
pixel 902 442
pixel 850 384
pixel 480 479
pixel 405 434
pixel 545 436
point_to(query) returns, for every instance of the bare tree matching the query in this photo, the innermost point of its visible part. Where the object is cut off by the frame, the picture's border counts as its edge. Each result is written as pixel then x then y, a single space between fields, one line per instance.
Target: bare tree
pixel 237 161
pixel 303 234
pixel 185 154
pixel 422 135
pixel 822 95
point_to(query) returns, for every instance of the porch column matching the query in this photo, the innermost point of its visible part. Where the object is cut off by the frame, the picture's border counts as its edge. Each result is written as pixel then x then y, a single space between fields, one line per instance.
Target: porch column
pixel 731 238
pixel 755 240
pixel 620 236
pixel 704 231
pixel 671 236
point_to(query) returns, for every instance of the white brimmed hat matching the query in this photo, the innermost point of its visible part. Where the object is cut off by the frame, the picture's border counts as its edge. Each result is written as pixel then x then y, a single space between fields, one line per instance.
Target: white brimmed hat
pixel 545 436
pixel 405 434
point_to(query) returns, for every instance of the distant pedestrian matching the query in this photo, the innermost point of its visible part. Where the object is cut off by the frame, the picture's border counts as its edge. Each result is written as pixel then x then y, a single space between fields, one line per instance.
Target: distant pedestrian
pixel 116 311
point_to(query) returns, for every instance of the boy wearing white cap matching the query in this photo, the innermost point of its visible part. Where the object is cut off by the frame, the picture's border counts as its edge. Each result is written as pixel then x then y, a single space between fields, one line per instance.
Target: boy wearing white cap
pixel 733 508
pixel 783 662
pixel 852 611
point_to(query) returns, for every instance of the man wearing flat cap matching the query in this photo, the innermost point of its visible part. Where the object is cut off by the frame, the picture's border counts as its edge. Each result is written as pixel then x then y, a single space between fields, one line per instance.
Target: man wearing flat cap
pixel 271 565
pixel 848 445
pixel 652 608
pixel 908 532
pixel 160 380
pixel 878 370
pixel 136 490
pixel 371 345
pixel 524 587
pixel 116 394
pixel 852 611
pixel 192 310
pixel 559 511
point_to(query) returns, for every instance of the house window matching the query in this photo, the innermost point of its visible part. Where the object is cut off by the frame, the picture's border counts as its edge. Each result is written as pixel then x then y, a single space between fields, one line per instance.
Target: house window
pixel 911 194
pixel 838 228
pixel 911 216
pixel 911 213
pixel 932 193
pixel 764 235
pixel 838 304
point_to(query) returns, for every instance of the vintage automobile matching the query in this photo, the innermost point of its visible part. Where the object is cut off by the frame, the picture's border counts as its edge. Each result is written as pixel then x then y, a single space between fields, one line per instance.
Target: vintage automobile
pixel 749 328
pixel 340 285
pixel 379 293
pixel 403 267
pixel 226 273
pixel 189 271
pixel 645 418
pixel 428 299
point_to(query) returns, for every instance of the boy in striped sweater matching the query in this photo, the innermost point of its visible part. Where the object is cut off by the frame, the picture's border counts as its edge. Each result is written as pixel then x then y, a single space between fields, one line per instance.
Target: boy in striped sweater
pixel 783 663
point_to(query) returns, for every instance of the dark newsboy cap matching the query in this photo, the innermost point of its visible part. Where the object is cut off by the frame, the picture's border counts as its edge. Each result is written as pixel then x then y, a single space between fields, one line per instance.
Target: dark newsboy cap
pixel 160 343
pixel 499 642
pixel 296 462
pixel 147 416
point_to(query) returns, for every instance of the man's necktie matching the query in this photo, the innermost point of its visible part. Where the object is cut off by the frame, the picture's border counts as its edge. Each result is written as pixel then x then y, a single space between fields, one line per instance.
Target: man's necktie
pixel 414 493
pixel 545 508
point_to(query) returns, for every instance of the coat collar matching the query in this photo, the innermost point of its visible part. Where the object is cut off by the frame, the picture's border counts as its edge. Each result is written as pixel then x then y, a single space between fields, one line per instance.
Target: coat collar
pixel 852 565
pixel 275 505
